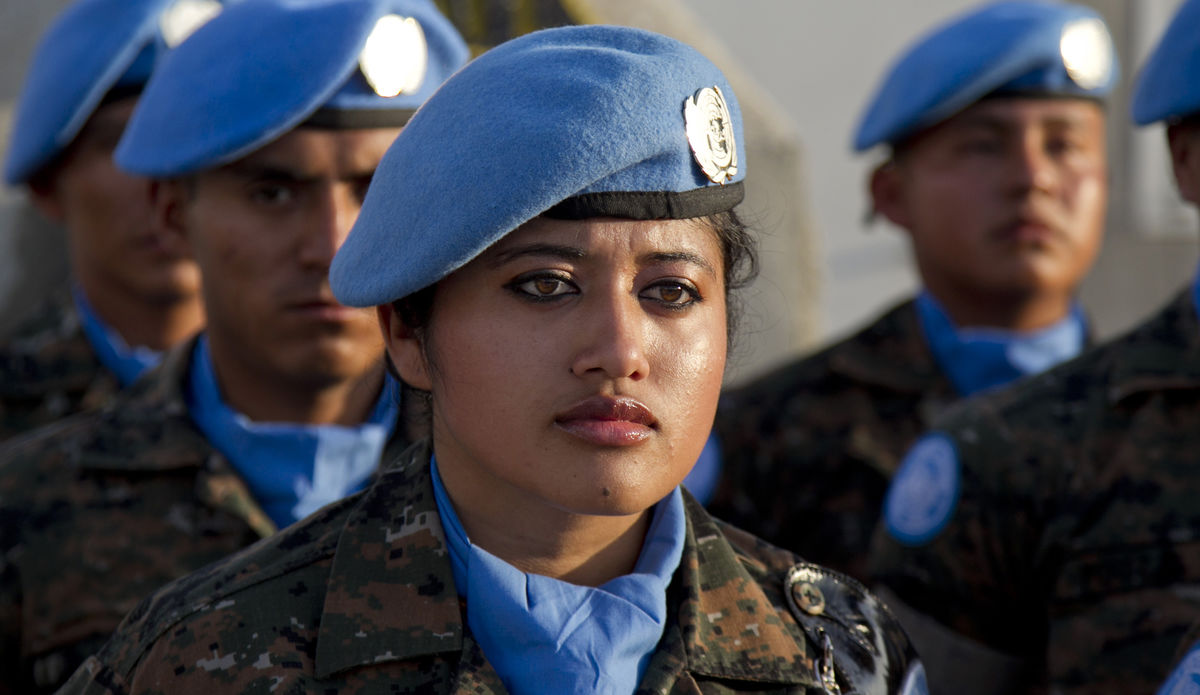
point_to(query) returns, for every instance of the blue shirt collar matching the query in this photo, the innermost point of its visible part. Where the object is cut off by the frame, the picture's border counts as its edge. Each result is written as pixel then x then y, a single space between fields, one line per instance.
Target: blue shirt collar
pixel 127 363
pixel 976 359
pixel 292 469
pixel 543 635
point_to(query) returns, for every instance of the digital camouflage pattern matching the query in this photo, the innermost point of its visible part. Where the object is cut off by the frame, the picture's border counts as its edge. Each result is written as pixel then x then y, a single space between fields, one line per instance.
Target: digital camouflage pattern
pixel 49 371
pixel 1075 543
pixel 101 509
pixel 360 598
pixel 809 448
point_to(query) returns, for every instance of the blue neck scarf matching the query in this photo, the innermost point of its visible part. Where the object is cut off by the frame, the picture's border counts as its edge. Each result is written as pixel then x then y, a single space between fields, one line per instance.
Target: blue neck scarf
pixel 292 469
pixel 544 635
pixel 128 363
pixel 976 359
pixel 1196 293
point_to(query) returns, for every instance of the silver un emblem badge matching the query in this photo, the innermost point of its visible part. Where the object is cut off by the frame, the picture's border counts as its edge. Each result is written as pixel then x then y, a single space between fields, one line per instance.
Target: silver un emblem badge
pixel 710 133
pixel 395 56
pixel 1087 52
pixel 184 17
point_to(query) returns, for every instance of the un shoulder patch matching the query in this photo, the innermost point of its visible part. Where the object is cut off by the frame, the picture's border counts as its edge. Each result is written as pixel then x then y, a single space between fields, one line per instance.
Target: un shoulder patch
pixel 924 492
pixel 1185 679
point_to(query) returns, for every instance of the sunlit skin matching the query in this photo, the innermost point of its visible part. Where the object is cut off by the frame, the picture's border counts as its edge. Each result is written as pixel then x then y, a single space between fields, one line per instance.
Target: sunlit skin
pixel 574 369
pixel 1004 204
pixel 142 283
pixel 264 230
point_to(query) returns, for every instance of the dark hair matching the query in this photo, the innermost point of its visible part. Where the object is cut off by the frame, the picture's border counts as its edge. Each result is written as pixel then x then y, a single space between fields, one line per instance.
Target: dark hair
pixel 739 253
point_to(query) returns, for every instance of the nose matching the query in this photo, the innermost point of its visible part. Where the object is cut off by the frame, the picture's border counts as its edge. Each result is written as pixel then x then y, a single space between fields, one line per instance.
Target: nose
pixel 611 338
pixel 1035 168
pixel 337 209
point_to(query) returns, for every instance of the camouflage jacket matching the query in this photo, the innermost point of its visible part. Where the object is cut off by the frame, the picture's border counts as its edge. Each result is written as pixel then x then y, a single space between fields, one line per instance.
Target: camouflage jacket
pixel 360 598
pixel 809 448
pixel 99 510
pixel 49 371
pixel 1074 543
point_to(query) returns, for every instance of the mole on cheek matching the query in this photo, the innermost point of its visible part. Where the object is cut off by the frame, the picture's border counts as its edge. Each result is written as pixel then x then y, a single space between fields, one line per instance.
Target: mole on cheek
pixel 606 492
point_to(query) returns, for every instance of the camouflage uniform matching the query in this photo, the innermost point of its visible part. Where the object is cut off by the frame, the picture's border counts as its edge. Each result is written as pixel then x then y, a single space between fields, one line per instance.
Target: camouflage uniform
pixel 48 370
pixel 1074 546
pixel 99 510
pixel 809 448
pixel 360 598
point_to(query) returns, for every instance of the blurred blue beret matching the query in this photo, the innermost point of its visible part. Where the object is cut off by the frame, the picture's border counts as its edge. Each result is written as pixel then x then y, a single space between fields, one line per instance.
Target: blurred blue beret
pixel 264 67
pixel 575 122
pixel 1015 47
pixel 94 48
pixel 1166 87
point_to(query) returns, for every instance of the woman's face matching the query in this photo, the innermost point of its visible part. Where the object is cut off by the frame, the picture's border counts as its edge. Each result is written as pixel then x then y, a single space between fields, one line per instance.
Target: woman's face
pixel 574 365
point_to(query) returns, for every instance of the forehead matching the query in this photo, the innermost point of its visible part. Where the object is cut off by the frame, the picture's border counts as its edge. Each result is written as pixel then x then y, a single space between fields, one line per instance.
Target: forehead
pixel 1025 112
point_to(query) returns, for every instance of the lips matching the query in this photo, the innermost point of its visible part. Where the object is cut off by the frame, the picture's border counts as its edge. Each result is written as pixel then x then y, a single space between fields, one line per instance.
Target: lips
pixel 323 309
pixel 607 421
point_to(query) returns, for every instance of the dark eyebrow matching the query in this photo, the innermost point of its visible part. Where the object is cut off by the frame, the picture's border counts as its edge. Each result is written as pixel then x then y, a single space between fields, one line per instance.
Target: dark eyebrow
pixel 566 253
pixel 252 171
pixel 680 257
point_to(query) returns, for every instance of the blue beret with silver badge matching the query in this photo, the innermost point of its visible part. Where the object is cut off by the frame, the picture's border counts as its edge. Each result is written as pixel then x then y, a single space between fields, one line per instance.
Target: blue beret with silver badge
pixel 573 122
pixel 1019 48
pixel 1166 87
pixel 94 49
pixel 264 67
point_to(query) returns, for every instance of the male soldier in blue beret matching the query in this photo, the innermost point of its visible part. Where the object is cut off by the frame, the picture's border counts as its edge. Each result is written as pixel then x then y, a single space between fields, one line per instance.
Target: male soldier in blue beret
pixel 1043 538
pixel 134 292
pixel 996 171
pixel 262 132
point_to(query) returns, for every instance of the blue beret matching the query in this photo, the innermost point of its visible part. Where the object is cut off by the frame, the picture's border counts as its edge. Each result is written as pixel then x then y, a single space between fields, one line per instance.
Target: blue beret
pixel 1016 47
pixel 92 48
pixel 1166 87
pixel 264 67
pixel 575 122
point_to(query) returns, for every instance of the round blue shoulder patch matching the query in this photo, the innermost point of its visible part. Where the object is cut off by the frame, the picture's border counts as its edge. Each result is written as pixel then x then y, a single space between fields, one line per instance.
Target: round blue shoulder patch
pixel 924 492
pixel 1185 679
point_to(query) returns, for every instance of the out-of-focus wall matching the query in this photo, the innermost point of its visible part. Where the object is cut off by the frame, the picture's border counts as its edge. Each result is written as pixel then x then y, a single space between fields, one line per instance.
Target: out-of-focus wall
pixel 32 253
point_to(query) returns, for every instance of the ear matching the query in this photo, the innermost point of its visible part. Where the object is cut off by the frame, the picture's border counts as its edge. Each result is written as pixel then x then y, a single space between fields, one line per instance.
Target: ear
pixel 1182 141
pixel 405 349
pixel 169 200
pixel 887 194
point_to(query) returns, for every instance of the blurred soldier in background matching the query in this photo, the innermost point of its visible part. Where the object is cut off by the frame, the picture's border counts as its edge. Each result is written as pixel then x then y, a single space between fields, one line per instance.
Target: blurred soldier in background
pixel 996 170
pixel 1048 532
pixel 262 132
pixel 134 292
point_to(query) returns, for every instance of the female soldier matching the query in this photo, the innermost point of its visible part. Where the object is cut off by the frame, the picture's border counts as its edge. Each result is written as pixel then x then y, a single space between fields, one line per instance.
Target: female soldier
pixel 558 286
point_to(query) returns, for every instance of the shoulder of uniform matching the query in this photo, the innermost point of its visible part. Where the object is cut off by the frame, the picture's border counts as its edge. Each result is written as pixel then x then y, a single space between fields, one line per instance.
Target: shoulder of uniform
pixel 256 567
pixel 35 457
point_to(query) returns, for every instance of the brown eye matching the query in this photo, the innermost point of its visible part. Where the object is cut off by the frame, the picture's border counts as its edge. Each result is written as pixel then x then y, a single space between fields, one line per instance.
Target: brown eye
pixel 547 286
pixel 672 294
pixel 542 287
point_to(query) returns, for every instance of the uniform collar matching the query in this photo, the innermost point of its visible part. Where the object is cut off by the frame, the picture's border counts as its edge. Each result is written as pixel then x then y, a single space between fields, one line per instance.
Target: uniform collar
pixel 151 410
pixel 1162 353
pixel 892 353
pixel 411 608
pixel 49 353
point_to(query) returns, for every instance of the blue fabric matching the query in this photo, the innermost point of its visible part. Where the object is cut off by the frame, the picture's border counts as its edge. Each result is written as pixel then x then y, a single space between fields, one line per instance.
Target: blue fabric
pixel 262 68
pixel 1166 87
pixel 1185 679
pixel 530 123
pixel 292 469
pixel 976 359
pixel 128 363
pixel 702 480
pixel 547 636
pixel 1003 46
pixel 91 47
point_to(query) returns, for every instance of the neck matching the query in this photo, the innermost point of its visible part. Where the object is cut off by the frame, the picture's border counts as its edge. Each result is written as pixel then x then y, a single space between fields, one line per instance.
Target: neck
pixel 265 397
pixel 157 323
pixel 583 549
pixel 1015 312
